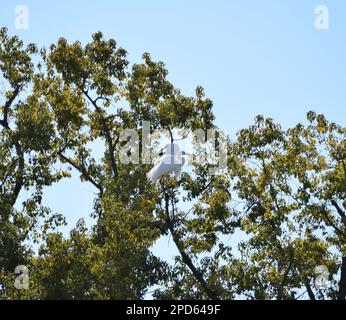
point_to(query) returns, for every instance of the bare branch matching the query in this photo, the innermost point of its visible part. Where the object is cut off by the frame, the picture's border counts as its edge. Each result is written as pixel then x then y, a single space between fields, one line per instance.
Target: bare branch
pixel 82 170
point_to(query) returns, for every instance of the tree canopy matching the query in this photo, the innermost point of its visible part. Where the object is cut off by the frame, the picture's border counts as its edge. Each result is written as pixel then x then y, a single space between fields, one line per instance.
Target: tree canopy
pixel 257 230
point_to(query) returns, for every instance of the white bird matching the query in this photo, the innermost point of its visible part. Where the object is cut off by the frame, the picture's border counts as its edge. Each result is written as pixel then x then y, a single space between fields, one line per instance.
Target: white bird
pixel 171 161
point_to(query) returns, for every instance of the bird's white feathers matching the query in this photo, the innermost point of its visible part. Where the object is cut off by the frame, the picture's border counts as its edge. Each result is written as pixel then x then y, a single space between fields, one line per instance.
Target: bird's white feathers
pixel 171 161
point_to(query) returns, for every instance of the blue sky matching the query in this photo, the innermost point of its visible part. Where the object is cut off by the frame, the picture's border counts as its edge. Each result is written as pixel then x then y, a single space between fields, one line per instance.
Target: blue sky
pixel 252 57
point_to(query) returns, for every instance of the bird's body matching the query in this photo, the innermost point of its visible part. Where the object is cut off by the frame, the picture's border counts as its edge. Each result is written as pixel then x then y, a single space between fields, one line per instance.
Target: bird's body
pixel 172 161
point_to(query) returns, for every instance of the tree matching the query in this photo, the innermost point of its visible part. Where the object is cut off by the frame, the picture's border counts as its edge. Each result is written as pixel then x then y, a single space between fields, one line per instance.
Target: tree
pixel 282 193
pixel 293 186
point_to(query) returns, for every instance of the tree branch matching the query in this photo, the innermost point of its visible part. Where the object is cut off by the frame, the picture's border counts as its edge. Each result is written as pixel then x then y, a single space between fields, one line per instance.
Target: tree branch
pixel 19 174
pixel 4 121
pixel 285 276
pixel 338 209
pixel 19 150
pixel 107 133
pixel 185 257
pixel 342 283
pixel 82 170
pixel 332 224
pixel 310 292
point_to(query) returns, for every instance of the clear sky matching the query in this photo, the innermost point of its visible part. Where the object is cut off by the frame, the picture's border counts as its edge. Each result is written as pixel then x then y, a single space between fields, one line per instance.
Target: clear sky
pixel 252 57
